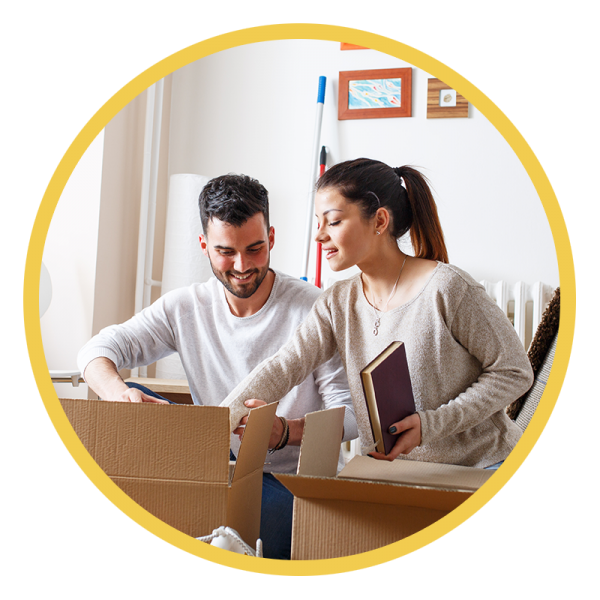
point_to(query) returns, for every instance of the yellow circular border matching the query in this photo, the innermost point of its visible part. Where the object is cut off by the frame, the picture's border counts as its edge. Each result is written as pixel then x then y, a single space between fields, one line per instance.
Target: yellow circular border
pixel 263 34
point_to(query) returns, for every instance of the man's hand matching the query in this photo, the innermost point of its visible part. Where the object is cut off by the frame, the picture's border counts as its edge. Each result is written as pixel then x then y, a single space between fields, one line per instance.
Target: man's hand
pixel 409 430
pixel 102 376
pixel 135 395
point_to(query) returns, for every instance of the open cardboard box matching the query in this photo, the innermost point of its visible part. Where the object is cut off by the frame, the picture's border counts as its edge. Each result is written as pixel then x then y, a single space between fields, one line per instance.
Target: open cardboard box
pixel 371 503
pixel 173 460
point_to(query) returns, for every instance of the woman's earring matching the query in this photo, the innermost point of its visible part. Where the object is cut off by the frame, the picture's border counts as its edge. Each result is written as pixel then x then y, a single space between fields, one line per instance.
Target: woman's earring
pixel 378 232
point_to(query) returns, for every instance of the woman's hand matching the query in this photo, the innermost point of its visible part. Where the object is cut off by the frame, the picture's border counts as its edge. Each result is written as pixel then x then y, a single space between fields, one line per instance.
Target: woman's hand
pixel 409 430
pixel 296 427
pixel 255 403
pixel 276 432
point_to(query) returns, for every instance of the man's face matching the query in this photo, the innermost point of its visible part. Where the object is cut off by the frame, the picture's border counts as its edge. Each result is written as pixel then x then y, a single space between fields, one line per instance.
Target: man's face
pixel 239 256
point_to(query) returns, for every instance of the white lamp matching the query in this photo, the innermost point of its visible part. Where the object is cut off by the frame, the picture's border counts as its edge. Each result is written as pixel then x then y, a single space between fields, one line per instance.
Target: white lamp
pixel 72 377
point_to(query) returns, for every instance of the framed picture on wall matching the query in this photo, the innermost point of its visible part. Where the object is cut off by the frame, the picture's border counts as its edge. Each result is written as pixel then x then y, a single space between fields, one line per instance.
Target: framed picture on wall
pixel 375 94
pixel 443 102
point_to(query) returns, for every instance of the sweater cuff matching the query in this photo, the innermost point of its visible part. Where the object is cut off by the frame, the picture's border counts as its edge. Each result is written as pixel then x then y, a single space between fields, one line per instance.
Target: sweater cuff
pixel 425 429
pixel 237 410
pixel 84 358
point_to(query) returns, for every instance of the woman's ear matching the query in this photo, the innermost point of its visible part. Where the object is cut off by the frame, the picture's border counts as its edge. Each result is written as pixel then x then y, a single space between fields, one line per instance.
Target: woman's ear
pixel 382 219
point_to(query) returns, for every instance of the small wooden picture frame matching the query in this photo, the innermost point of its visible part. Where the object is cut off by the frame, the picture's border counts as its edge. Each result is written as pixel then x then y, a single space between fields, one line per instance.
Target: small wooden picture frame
pixel 445 103
pixel 375 94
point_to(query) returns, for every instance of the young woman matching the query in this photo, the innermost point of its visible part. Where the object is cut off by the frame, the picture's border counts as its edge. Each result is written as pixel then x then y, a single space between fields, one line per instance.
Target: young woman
pixel 465 359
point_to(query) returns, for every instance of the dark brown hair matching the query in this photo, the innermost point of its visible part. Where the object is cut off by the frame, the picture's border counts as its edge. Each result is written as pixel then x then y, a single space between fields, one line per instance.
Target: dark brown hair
pixel 233 199
pixel 372 184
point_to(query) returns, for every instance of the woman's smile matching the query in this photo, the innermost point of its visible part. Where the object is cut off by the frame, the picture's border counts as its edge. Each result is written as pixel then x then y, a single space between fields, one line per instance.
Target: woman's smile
pixel 330 252
pixel 343 233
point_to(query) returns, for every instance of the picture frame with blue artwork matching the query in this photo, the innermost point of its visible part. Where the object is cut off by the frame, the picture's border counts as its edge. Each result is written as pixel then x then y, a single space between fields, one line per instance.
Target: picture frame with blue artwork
pixel 375 94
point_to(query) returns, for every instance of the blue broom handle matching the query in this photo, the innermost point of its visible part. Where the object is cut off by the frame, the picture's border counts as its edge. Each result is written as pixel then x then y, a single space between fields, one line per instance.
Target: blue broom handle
pixel 313 172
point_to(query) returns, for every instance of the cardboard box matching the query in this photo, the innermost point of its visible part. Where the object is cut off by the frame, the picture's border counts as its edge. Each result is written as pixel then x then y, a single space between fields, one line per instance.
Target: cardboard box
pixel 173 460
pixel 370 503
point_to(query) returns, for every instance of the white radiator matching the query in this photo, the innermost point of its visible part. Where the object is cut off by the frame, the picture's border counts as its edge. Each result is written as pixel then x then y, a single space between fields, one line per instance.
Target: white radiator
pixel 523 304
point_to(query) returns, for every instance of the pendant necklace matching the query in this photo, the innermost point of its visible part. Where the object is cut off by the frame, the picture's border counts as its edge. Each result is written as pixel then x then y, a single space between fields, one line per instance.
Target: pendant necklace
pixel 377 318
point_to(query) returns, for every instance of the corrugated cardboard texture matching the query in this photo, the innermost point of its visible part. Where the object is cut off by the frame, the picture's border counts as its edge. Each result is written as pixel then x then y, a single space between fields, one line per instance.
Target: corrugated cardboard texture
pixel 354 513
pixel 154 441
pixel 174 460
pixel 337 489
pixel 449 477
pixel 245 495
pixel 255 443
pixel 331 529
pixel 321 439
pixel 193 508
pixel 336 516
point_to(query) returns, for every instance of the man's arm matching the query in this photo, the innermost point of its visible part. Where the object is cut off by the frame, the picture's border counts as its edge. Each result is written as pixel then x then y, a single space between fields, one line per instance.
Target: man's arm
pixel 332 382
pixel 102 376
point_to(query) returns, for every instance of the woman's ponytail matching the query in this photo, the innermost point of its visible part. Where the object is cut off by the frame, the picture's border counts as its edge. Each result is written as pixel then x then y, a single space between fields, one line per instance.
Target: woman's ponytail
pixel 372 185
pixel 426 233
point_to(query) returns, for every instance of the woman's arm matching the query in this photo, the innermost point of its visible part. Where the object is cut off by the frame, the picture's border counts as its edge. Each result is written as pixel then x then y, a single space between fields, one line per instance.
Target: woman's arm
pixel 312 344
pixel 483 329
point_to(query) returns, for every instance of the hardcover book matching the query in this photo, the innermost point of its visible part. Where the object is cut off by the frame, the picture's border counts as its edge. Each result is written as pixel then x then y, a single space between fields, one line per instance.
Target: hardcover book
pixel 388 392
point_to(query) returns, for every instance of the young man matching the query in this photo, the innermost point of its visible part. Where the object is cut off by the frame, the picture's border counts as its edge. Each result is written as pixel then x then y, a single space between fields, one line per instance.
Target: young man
pixel 222 329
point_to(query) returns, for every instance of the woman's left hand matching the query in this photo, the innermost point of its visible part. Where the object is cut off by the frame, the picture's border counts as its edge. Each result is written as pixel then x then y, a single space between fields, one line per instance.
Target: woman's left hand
pixel 254 403
pixel 410 428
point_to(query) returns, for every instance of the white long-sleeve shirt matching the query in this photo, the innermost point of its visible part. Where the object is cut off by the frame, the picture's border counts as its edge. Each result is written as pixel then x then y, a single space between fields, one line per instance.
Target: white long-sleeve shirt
pixel 218 349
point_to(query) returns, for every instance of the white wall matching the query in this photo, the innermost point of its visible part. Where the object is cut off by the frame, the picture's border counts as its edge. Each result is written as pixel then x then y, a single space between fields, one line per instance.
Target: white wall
pixel 70 256
pixel 252 109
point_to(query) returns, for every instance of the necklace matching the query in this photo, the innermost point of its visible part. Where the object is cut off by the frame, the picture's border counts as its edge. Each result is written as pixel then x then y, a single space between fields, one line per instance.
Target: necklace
pixel 377 318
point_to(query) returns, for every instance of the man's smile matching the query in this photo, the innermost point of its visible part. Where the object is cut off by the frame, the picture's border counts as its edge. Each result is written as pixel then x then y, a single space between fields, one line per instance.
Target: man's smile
pixel 241 277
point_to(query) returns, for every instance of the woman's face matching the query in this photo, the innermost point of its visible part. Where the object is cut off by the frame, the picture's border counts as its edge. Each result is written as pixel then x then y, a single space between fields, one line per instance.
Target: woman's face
pixel 347 238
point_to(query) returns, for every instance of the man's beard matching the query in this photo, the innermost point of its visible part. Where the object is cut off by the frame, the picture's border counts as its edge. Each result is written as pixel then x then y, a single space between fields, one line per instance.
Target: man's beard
pixel 243 290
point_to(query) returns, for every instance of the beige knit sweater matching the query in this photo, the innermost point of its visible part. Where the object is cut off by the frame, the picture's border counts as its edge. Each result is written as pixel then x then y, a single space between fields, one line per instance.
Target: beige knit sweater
pixel 465 359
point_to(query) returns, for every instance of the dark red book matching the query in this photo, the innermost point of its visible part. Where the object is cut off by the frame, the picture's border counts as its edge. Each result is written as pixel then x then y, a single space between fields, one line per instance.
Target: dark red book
pixel 388 392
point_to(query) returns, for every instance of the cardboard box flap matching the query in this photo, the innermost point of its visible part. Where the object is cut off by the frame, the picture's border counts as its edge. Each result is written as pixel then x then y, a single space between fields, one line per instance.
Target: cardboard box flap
pixel 335 488
pixel 416 473
pixel 321 439
pixel 255 443
pixel 154 441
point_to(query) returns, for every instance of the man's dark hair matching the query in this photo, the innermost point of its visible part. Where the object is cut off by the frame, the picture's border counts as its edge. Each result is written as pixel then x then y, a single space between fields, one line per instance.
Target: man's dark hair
pixel 233 199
